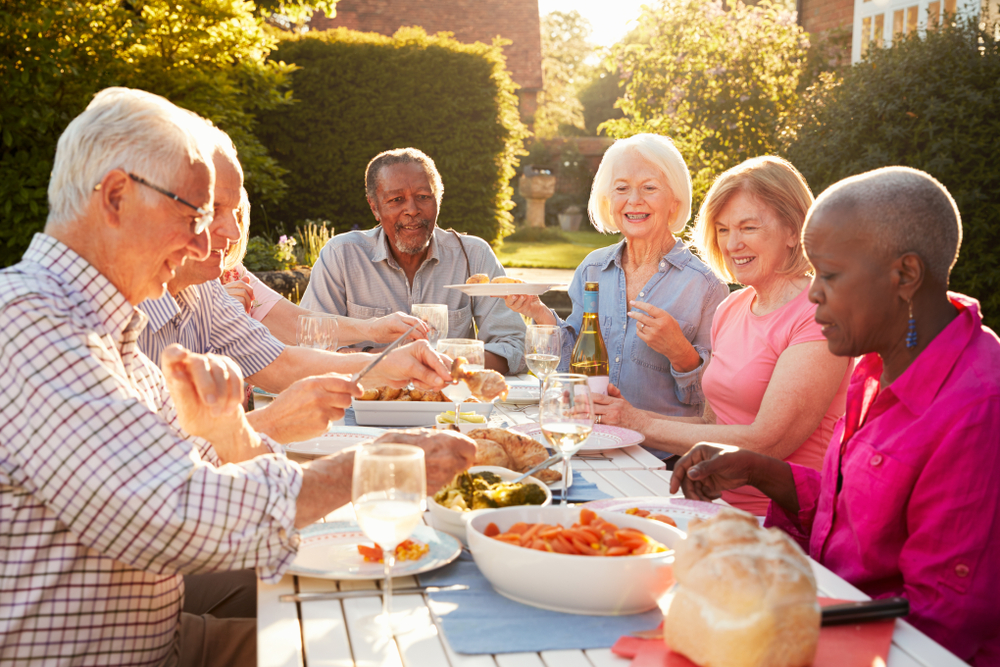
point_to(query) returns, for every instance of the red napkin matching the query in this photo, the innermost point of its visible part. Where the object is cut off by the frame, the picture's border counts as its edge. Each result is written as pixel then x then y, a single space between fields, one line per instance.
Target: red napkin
pixel 839 646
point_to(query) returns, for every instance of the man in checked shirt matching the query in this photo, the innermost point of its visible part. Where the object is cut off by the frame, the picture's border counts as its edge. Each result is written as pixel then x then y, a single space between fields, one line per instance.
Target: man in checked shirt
pixel 116 478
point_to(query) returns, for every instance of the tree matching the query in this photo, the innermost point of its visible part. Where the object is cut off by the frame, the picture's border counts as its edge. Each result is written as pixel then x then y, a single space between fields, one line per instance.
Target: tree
pixel 565 50
pixel 719 80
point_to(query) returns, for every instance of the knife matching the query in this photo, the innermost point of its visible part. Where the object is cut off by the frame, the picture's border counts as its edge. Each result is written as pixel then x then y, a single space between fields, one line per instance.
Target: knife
pixel 360 374
pixel 342 595
pixel 547 463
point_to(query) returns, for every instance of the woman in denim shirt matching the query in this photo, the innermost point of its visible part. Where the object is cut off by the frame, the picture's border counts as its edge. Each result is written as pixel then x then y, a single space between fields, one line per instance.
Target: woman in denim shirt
pixel 658 349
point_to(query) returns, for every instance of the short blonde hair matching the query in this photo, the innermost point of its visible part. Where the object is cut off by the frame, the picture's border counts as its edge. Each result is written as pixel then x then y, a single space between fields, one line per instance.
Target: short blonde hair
pixel 774 182
pixel 237 251
pixel 660 152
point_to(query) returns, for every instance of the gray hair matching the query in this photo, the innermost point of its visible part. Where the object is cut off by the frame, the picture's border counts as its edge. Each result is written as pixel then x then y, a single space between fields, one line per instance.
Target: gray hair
pixel 222 144
pixel 402 156
pixel 126 129
pixel 658 151
pixel 905 210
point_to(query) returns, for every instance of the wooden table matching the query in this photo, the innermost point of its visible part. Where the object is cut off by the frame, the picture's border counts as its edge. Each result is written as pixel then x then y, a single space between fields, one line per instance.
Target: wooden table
pixel 334 633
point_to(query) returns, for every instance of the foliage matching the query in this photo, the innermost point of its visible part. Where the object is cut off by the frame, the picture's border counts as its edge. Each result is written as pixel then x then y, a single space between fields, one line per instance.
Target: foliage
pixel 564 51
pixel 361 93
pixel 262 255
pixel 313 235
pixel 205 55
pixel 598 96
pixel 717 79
pixel 926 102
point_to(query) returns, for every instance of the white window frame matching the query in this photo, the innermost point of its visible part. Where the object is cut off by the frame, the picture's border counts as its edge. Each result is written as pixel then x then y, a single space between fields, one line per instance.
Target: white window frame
pixel 872 8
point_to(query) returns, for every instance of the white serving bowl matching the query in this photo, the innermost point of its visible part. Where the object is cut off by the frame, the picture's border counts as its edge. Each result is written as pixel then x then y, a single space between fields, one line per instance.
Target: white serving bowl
pixel 592 585
pixel 453 521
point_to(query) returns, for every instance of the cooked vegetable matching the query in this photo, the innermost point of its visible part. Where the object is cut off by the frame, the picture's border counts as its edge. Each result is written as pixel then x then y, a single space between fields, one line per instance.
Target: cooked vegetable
pixel 662 518
pixel 593 536
pixel 485 490
pixel 407 550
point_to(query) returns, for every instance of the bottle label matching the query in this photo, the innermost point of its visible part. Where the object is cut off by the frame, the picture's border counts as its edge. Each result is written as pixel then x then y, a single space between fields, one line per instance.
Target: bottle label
pixel 590 302
pixel 598 384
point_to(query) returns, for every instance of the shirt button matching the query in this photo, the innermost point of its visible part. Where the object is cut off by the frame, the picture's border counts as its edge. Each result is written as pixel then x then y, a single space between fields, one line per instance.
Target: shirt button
pixel 962 570
pixel 616 359
pixel 877 460
pixel 624 326
pixel 642 294
pixel 283 534
pixel 663 264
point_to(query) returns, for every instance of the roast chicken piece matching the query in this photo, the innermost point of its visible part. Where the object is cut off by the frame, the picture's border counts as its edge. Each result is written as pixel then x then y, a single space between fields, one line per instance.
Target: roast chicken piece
pixel 484 385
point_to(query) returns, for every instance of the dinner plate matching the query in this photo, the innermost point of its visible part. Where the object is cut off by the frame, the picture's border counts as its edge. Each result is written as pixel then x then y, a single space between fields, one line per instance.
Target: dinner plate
pixel 330 551
pixel 523 392
pixel 334 440
pixel 602 438
pixel 680 510
pixel 505 289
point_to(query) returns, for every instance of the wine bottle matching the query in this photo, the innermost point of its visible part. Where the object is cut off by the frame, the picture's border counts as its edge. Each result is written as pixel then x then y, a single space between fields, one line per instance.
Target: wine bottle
pixel 590 356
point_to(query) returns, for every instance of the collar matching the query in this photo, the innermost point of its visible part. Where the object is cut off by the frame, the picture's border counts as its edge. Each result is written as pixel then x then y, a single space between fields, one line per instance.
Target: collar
pixel 679 257
pixel 166 308
pixel 115 314
pixel 383 252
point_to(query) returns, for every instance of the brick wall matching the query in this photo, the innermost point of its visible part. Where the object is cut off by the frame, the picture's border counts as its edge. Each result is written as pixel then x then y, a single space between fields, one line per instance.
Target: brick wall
pixel 817 16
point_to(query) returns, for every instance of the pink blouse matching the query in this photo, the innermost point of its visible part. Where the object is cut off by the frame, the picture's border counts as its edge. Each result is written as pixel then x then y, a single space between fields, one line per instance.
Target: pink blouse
pixel 918 514
pixel 264 297
pixel 745 350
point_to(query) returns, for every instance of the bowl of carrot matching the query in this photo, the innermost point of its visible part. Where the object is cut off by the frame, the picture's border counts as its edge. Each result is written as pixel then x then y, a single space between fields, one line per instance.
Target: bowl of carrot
pixel 574 560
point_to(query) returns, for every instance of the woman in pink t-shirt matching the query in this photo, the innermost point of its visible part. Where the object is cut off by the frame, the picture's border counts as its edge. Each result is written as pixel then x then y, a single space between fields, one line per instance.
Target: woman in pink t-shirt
pixel 772 385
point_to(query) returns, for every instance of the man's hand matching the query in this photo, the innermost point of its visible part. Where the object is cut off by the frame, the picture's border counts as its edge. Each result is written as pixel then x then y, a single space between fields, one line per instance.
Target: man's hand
pixel 207 391
pixel 416 363
pixel 306 408
pixel 446 453
pixel 389 328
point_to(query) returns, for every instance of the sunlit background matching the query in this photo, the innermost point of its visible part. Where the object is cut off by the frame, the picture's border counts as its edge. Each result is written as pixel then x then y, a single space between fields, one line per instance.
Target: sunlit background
pixel 609 19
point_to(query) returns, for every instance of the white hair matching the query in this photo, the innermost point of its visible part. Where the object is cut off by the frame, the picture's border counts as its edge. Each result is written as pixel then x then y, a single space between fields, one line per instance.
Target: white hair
pixel 904 210
pixel 222 144
pixel 660 152
pixel 128 129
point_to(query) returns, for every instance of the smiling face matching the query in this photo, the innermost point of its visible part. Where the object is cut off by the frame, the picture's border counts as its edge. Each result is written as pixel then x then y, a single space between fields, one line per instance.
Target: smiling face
pixel 641 201
pixel 855 289
pixel 754 244
pixel 405 206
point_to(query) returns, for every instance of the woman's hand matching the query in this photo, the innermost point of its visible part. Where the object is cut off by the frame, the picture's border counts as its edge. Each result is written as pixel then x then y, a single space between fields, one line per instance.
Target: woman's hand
pixel 241 291
pixel 659 330
pixel 531 306
pixel 709 469
pixel 614 410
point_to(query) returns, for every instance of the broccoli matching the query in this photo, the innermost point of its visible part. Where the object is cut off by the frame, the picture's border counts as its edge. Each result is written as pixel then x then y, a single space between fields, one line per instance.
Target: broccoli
pixel 486 490
pixel 482 500
pixel 490 478
pixel 506 494
pixel 462 485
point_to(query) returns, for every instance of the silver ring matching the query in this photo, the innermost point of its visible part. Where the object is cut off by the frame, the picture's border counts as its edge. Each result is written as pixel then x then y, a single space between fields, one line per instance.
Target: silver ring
pixel 642 326
pixel 599 418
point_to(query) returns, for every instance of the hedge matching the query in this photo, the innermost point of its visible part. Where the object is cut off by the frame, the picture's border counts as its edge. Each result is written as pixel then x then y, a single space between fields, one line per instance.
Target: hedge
pixel 361 93
pixel 928 102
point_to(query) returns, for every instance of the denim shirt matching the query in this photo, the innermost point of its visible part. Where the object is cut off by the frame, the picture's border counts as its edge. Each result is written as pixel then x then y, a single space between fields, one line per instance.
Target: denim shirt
pixel 684 287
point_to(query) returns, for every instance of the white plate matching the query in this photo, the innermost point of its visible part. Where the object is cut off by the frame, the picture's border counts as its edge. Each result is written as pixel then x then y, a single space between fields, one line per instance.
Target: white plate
pixel 602 438
pixel 330 551
pixel 409 413
pixel 680 510
pixel 334 440
pixel 505 289
pixel 523 392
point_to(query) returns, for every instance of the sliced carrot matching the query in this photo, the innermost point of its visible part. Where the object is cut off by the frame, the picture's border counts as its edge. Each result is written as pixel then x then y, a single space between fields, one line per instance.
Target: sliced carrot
pixel 664 518
pixel 518 528
pixel 491 530
pixel 373 554
pixel 618 551
pixel 586 516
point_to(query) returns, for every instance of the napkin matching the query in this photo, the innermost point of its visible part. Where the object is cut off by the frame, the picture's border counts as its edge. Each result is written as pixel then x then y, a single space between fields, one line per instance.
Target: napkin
pixel 480 620
pixel 580 491
pixel 839 646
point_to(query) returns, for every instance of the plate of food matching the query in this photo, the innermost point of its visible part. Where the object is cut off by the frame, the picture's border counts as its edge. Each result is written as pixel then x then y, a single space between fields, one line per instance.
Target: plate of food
pixel 681 510
pixel 334 440
pixel 523 392
pixel 602 438
pixel 481 285
pixel 330 551
pixel 385 406
pixel 507 448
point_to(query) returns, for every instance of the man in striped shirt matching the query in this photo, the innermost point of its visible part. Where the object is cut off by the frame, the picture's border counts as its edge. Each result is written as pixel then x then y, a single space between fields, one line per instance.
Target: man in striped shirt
pixel 111 486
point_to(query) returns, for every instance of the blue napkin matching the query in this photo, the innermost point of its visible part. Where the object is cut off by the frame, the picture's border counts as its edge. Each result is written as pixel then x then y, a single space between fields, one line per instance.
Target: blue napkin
pixel 580 491
pixel 483 621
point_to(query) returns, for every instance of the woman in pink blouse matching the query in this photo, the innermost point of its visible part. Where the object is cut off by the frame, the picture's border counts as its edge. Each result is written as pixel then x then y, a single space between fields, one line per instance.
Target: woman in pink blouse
pixel 771 385
pixel 907 502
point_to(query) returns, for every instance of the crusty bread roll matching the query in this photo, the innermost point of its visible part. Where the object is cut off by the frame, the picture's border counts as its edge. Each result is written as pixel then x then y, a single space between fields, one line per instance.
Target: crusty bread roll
pixel 477 278
pixel 505 279
pixel 524 452
pixel 745 596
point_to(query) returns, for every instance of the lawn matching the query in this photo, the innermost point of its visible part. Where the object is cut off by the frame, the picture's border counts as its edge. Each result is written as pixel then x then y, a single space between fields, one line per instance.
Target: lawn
pixel 555 254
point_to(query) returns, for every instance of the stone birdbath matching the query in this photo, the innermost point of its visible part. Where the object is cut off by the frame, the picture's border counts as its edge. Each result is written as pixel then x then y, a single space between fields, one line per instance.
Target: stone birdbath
pixel 536 185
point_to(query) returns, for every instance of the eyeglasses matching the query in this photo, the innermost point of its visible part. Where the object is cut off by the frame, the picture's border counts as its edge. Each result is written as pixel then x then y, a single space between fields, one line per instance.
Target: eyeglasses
pixel 205 216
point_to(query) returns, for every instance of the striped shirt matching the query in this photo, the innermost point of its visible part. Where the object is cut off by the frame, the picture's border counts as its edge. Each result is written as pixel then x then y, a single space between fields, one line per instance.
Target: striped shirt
pixel 104 501
pixel 204 318
pixel 357 276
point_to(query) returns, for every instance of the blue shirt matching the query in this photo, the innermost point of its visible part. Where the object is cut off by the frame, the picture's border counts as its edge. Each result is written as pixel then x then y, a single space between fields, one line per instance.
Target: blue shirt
pixel 204 318
pixel 684 287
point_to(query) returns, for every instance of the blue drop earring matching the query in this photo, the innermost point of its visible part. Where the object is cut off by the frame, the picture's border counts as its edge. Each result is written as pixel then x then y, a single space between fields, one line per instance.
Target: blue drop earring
pixel 911 331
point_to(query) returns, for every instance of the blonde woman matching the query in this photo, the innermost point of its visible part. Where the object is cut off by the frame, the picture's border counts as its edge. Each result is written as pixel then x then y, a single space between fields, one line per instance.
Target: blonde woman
pixel 772 385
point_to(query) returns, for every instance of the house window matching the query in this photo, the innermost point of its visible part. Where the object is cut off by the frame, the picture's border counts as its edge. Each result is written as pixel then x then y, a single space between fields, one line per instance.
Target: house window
pixel 877 22
pixel 871 32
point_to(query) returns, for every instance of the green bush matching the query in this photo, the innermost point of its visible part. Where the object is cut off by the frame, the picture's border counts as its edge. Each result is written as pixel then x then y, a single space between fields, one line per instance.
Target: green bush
pixel 262 255
pixel 926 102
pixel 361 93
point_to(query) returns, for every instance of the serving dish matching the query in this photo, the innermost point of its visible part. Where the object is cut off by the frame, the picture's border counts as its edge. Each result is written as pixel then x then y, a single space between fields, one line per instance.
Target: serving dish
pixel 680 510
pixel 453 521
pixel 409 413
pixel 602 438
pixel 330 551
pixel 505 289
pixel 333 441
pixel 589 585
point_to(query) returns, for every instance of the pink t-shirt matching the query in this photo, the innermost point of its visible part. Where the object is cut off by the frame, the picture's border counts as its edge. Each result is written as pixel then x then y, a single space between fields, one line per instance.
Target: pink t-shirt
pixel 745 350
pixel 264 297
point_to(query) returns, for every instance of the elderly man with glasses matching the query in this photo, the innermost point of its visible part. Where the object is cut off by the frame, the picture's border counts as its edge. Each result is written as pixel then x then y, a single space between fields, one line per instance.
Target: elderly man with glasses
pixel 111 486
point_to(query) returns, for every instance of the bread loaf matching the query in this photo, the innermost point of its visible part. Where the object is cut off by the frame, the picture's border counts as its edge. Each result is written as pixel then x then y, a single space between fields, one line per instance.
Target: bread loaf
pixel 745 596
pixel 477 278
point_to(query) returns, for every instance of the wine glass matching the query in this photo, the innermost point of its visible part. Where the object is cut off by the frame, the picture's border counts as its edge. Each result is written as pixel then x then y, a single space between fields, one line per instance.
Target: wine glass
pixel 475 354
pixel 317 330
pixel 566 415
pixel 388 486
pixel 436 317
pixel 543 349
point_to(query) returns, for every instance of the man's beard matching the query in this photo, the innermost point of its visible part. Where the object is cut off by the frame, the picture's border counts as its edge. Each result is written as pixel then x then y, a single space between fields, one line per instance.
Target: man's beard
pixel 415 246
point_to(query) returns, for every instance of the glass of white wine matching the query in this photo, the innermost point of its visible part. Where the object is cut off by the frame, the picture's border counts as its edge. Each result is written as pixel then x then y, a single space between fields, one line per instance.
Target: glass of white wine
pixel 475 354
pixel 388 486
pixel 317 330
pixel 436 317
pixel 566 415
pixel 542 349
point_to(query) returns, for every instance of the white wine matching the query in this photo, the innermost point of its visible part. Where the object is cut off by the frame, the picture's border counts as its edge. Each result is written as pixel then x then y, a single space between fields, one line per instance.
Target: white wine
pixel 590 356
pixel 567 437
pixel 388 522
pixel 542 364
pixel 458 392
